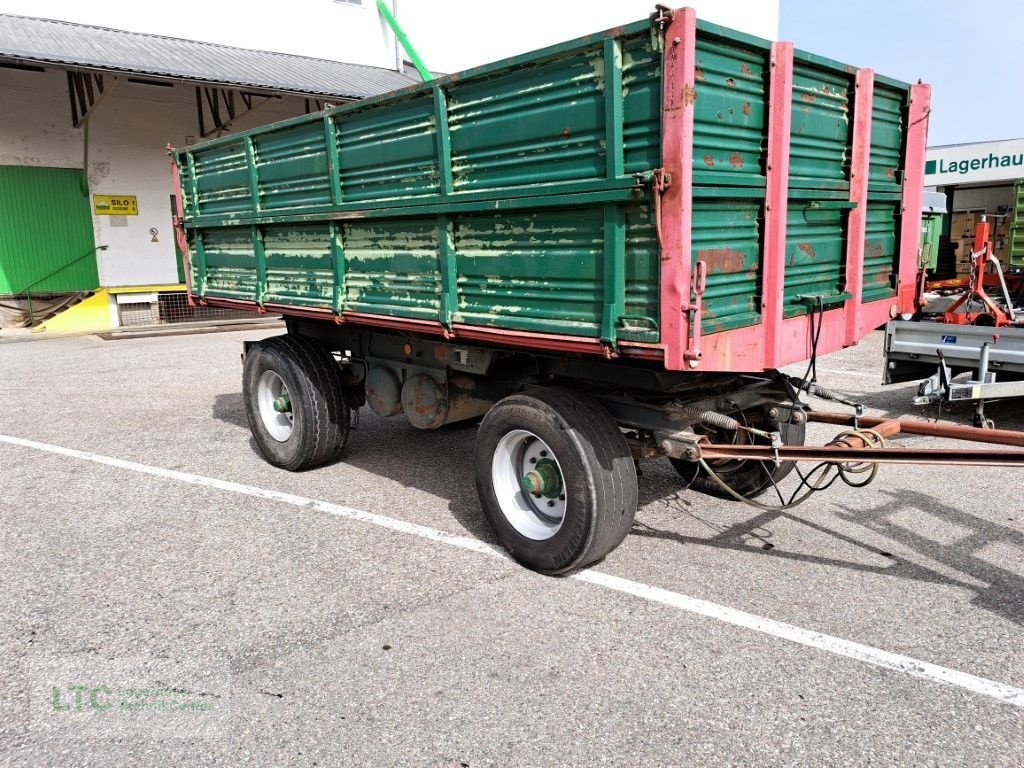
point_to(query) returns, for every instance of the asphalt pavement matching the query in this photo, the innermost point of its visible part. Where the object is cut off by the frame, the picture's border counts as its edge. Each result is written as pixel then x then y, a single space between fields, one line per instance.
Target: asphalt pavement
pixel 171 599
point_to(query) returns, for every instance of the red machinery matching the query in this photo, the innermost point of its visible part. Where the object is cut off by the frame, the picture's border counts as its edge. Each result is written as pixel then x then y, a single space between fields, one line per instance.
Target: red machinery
pixel 993 314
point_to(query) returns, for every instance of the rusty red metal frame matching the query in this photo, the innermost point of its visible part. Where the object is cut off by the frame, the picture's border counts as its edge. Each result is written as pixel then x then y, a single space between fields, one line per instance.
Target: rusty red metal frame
pixel 860 168
pixel 913 194
pixel 988 457
pixel 552 342
pixel 179 225
pixel 776 205
pixel 777 342
pixel 679 93
pixel 854 449
pixel 742 349
pixel 501 336
pixel 911 427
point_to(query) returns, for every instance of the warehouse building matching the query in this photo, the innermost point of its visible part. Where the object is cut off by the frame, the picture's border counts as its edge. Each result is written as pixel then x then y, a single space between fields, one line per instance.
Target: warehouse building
pixel 85 183
pixel 979 179
pixel 89 110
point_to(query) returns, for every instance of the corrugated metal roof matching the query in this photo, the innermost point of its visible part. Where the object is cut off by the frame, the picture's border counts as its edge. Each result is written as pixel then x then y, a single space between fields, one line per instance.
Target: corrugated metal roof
pixel 78 45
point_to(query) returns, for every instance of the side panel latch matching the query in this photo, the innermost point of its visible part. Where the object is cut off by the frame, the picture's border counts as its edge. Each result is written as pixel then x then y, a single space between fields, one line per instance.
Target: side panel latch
pixel 698 284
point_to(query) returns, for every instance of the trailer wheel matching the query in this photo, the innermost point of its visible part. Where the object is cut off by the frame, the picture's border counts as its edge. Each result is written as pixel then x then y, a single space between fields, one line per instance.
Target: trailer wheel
pixel 295 402
pixel 747 478
pixel 556 479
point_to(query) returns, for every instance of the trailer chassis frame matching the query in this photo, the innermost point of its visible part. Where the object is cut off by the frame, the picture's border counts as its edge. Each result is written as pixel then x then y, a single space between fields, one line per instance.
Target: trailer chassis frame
pixel 660 411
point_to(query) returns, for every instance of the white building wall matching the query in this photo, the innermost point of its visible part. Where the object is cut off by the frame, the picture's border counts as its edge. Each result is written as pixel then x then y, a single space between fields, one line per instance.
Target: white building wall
pixel 126 132
pixel 132 123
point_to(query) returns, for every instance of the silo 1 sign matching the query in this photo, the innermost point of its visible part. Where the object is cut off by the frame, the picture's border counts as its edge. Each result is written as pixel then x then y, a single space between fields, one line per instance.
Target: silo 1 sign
pixel 115 205
pixel 973 163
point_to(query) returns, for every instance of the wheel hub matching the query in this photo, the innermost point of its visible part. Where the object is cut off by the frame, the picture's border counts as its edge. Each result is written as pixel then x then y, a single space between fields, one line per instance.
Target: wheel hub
pixel 275 406
pixel 527 481
pixel 544 479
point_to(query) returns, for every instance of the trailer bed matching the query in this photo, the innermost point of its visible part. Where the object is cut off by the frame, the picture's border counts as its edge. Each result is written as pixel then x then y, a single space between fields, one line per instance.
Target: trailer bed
pixel 671 190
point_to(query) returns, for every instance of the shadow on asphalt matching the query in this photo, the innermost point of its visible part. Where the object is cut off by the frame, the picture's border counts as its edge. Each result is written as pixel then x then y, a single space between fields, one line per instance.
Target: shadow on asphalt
pixel 1000 593
pixel 230 409
pixel 392 449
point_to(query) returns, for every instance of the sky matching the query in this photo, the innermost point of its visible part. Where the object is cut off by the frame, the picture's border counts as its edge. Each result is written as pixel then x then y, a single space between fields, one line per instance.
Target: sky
pixel 966 51
pixel 472 32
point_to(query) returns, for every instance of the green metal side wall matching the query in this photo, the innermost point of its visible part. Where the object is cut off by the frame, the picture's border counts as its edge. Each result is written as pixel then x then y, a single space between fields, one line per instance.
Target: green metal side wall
pixel 885 180
pixel 509 200
pixel 517 196
pixel 45 231
pixel 730 127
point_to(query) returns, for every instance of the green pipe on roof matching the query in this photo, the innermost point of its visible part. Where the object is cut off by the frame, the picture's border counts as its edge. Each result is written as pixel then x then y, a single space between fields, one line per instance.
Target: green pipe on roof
pixel 414 57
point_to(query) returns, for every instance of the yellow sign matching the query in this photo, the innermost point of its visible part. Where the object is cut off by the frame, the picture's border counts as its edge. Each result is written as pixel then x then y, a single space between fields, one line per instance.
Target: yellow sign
pixel 115 205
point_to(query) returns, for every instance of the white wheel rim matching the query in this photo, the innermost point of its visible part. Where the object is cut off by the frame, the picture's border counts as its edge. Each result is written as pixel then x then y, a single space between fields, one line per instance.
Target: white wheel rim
pixel 269 390
pixel 536 516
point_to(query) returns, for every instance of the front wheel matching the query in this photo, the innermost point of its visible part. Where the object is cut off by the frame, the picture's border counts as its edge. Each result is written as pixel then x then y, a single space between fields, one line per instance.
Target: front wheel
pixel 295 402
pixel 556 479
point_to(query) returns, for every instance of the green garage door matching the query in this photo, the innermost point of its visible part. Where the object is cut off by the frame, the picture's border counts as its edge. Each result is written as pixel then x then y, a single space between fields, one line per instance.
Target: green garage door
pixel 46 237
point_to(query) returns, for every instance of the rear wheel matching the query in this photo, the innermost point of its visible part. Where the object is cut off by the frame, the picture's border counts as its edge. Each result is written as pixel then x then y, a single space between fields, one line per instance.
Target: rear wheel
pixel 747 478
pixel 295 402
pixel 556 479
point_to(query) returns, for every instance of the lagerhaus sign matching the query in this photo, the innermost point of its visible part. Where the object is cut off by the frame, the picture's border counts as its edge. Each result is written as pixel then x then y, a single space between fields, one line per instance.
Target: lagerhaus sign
pixel 973 163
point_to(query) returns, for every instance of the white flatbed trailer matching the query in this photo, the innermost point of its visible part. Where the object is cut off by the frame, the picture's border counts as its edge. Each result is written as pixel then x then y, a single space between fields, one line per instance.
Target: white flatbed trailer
pixel 941 351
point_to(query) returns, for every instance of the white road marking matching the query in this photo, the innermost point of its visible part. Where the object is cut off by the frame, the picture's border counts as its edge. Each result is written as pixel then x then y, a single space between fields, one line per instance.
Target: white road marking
pixel 834 645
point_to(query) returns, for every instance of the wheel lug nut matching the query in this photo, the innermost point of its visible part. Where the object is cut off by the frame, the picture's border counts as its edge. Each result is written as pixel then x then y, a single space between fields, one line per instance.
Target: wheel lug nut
pixel 561 497
pixel 533 460
pixel 551 503
pixel 536 495
pixel 543 453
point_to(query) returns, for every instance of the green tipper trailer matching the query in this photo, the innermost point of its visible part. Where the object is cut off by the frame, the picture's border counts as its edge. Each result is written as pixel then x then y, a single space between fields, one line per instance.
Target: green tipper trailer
pixel 605 248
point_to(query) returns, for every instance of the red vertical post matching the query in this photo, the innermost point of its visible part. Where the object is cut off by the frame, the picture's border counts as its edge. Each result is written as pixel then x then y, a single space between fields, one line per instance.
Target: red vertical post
pixel 983 246
pixel 179 225
pixel 913 193
pixel 856 231
pixel 679 94
pixel 776 204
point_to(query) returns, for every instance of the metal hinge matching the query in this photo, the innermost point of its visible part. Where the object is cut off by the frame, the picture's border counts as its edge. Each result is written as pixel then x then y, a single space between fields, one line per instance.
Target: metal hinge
pixel 660 182
pixel 661 179
pixel 662 16
pixel 659 20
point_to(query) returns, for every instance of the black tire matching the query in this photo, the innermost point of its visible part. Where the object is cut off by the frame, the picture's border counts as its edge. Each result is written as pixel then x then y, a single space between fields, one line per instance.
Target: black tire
pixel 597 472
pixel 320 413
pixel 748 478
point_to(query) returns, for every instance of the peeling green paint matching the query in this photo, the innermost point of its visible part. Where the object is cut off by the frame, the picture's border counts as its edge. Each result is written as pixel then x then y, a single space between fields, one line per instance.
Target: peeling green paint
pixel 508 197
